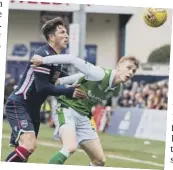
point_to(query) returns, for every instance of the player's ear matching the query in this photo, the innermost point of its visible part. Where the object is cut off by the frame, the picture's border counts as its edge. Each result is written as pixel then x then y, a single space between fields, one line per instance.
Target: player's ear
pixel 117 68
pixel 51 37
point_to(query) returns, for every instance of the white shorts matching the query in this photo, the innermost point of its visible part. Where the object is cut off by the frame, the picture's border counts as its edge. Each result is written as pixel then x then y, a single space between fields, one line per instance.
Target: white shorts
pixel 81 124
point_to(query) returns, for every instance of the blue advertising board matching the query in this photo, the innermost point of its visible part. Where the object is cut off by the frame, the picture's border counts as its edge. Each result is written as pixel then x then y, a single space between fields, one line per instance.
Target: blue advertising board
pixel 125 121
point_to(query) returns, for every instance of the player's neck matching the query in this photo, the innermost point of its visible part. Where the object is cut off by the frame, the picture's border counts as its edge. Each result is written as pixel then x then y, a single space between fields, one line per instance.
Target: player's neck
pixel 116 79
pixel 56 49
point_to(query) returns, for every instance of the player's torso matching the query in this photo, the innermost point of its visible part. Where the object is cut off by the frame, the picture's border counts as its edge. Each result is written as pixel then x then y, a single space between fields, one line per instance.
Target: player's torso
pixel 97 93
pixel 26 90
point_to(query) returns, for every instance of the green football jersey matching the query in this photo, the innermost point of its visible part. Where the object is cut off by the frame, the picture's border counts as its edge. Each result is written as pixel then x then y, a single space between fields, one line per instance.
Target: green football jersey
pixel 97 91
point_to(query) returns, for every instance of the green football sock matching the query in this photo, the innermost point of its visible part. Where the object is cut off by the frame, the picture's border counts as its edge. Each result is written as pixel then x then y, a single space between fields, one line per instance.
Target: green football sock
pixel 59 158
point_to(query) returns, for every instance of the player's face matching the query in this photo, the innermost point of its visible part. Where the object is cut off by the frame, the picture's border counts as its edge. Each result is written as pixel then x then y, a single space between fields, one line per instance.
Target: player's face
pixel 126 70
pixel 60 38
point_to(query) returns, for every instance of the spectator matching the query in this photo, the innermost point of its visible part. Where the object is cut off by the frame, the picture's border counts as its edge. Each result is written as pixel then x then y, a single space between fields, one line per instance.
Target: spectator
pixel 140 103
pixel 143 95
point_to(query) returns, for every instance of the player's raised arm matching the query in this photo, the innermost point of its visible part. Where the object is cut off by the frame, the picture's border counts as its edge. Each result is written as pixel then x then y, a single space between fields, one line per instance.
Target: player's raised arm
pixel 93 73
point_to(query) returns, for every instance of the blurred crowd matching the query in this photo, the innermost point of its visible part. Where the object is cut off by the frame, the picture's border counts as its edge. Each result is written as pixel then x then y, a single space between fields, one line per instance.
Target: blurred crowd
pixel 144 95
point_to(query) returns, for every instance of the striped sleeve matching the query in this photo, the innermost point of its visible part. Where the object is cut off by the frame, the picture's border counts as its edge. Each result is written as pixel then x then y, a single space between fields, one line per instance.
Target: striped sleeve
pixel 42 70
pixel 42 83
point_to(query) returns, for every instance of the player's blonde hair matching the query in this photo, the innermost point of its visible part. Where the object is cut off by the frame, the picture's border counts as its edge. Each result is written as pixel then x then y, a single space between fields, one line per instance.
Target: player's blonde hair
pixel 130 58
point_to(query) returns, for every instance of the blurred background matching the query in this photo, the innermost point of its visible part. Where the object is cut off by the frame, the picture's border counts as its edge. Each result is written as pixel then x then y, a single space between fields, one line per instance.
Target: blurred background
pixel 132 126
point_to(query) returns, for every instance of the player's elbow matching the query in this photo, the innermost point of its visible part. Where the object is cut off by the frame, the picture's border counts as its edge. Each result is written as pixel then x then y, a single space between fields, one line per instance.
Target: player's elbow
pixel 96 73
pixel 41 88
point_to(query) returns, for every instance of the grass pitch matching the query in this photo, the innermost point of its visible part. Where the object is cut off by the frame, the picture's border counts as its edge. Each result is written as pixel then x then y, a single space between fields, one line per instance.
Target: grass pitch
pixel 122 147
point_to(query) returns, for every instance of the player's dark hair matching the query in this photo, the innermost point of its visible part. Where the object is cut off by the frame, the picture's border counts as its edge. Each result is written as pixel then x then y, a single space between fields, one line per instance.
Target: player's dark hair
pixel 50 26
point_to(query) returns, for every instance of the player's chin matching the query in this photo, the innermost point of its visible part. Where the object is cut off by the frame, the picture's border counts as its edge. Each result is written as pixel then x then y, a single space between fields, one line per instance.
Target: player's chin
pixel 125 79
pixel 64 46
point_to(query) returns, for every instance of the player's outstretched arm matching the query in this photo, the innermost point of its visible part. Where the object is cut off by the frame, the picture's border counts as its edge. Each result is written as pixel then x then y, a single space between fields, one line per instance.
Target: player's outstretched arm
pixel 42 85
pixel 93 73
pixel 69 79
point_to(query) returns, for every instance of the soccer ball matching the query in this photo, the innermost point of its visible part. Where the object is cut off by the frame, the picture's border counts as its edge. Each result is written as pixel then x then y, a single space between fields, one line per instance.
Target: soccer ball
pixel 155 17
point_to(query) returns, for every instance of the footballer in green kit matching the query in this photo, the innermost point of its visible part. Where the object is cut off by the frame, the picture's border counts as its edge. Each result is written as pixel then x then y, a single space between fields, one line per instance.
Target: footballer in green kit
pixel 97 92
pixel 73 127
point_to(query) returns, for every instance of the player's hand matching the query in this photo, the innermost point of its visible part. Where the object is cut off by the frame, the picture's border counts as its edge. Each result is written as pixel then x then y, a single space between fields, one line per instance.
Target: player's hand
pixel 78 93
pixel 57 82
pixel 36 60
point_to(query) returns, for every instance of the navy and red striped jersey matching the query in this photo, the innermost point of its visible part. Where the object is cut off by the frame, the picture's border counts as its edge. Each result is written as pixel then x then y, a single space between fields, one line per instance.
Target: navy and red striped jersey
pixel 38 83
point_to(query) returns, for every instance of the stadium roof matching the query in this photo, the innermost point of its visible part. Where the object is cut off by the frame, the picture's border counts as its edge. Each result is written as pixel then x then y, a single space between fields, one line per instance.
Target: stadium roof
pixel 67 7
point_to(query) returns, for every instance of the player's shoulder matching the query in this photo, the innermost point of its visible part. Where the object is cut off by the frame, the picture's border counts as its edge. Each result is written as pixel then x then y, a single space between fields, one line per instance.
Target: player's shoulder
pixel 107 71
pixel 44 51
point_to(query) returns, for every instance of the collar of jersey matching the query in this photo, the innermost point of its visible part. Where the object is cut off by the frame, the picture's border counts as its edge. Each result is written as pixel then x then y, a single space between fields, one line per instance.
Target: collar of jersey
pixel 50 48
pixel 111 79
pixel 111 87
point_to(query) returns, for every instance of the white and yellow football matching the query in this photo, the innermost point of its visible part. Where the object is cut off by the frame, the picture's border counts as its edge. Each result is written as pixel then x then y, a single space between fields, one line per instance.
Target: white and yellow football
pixel 155 17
